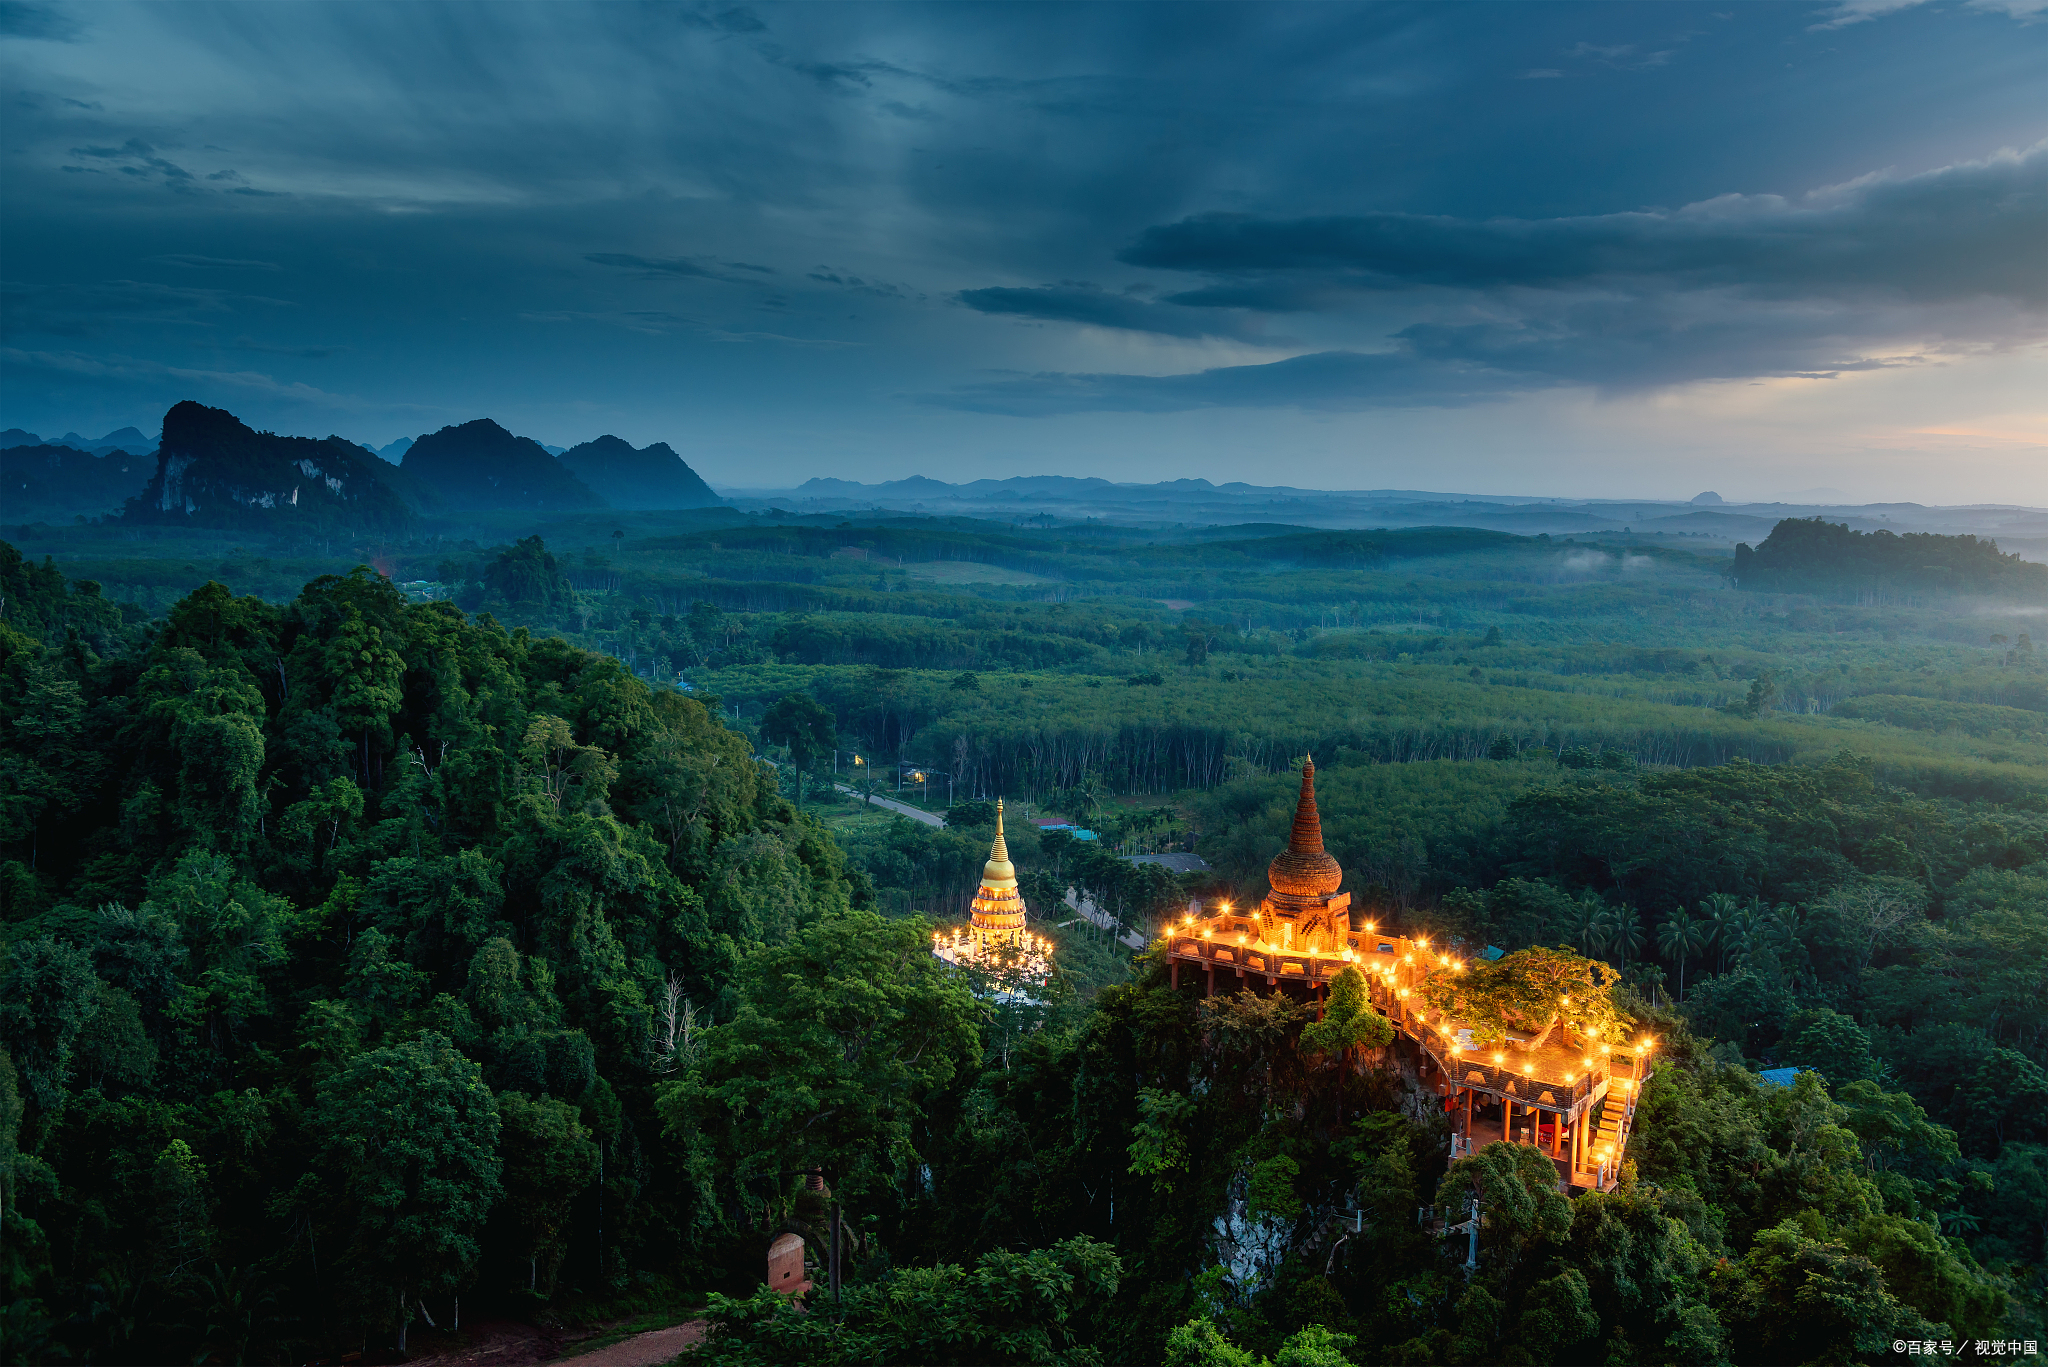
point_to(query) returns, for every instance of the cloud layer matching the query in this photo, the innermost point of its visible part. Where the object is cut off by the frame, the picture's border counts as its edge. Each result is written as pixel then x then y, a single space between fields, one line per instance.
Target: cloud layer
pixel 794 239
pixel 1880 272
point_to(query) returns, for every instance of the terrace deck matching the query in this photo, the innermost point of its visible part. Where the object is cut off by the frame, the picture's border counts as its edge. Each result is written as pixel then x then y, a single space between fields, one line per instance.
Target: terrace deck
pixel 1553 1097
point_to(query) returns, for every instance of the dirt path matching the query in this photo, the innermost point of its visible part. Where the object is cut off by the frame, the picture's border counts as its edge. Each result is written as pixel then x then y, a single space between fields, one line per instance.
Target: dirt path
pixel 506 1343
pixel 650 1349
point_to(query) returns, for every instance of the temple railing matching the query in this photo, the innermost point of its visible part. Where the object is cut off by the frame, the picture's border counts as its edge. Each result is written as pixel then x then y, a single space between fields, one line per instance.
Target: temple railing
pixel 1465 1070
pixel 1266 961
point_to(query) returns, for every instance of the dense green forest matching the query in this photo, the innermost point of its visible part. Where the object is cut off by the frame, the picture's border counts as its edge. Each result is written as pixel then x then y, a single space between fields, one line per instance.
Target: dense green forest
pixel 382 953
pixel 1829 558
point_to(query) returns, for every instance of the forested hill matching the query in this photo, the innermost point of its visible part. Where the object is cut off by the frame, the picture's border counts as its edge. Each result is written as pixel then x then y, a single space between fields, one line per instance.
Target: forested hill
pixel 275 878
pixel 480 466
pixel 1808 555
pixel 52 481
pixel 651 477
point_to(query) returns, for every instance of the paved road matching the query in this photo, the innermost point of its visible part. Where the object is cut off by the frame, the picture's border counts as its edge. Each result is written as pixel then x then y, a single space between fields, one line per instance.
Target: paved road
pixel 900 808
pixel 1102 918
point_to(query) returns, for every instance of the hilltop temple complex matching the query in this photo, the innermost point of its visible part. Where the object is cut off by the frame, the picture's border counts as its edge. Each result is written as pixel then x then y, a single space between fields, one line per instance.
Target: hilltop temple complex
pixel 995 938
pixel 1572 1101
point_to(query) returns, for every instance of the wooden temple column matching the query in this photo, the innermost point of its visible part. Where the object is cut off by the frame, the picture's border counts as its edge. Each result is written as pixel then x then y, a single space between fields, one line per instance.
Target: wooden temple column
pixel 1174 973
pixel 1468 1114
pixel 1578 1142
pixel 1507 1118
pixel 1210 990
pixel 1556 1134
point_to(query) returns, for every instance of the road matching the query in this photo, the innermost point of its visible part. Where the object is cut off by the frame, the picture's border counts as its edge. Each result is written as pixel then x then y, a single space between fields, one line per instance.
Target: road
pixel 900 808
pixel 1102 918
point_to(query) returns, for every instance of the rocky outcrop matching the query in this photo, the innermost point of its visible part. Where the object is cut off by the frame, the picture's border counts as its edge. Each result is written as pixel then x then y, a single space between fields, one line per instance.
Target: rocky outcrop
pixel 215 471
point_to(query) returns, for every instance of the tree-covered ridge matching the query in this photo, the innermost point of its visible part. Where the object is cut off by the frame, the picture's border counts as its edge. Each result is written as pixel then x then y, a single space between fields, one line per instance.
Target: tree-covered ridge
pixel 1810 555
pixel 479 465
pixel 63 482
pixel 277 880
pixel 650 477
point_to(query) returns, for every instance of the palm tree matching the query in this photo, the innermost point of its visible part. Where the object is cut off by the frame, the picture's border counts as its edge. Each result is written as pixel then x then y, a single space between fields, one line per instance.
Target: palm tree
pixel 1680 937
pixel 1749 926
pixel 1624 934
pixel 1719 911
pixel 1584 922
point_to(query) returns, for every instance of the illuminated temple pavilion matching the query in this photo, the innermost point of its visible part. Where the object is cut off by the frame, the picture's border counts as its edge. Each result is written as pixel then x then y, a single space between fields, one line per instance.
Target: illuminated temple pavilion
pixel 995 940
pixel 1574 1102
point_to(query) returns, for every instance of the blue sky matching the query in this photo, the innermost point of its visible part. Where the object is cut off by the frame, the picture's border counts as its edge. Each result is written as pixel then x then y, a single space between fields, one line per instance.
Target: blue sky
pixel 1615 249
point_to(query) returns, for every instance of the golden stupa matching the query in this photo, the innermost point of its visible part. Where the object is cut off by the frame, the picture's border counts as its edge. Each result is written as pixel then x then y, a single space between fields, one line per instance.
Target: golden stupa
pixel 994 936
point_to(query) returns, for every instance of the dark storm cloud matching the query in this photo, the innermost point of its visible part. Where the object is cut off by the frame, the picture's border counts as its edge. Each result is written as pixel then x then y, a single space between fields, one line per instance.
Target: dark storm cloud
pixel 676 267
pixel 1959 231
pixel 66 310
pixel 529 206
pixel 124 373
pixel 1074 302
pixel 651 266
pixel 1330 381
pixel 137 158
pixel 220 263
pixel 19 20
pixel 1739 287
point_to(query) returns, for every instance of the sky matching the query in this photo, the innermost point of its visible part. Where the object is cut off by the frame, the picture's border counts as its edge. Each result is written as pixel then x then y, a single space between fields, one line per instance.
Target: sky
pixel 1584 250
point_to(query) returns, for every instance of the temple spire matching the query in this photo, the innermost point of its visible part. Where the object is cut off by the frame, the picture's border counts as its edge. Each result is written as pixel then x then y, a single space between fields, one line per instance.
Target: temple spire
pixel 1305 868
pixel 1307 836
pixel 999 871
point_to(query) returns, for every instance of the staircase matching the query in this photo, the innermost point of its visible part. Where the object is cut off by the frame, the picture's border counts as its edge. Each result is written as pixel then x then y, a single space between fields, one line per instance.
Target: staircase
pixel 1611 1122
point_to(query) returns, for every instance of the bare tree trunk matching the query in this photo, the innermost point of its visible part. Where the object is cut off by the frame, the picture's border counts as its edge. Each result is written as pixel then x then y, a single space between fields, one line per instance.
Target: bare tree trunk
pixel 835 1250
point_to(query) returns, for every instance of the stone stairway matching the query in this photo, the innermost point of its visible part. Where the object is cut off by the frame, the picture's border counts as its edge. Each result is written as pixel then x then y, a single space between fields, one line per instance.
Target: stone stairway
pixel 1609 1125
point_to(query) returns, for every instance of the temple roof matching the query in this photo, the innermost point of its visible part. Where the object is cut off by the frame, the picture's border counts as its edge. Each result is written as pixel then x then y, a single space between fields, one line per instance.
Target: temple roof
pixel 999 871
pixel 1304 868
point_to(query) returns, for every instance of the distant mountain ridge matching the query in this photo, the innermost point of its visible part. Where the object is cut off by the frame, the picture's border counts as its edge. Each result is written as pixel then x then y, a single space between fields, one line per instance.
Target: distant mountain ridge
pixel 480 467
pixel 126 439
pixel 1049 499
pixel 44 481
pixel 650 477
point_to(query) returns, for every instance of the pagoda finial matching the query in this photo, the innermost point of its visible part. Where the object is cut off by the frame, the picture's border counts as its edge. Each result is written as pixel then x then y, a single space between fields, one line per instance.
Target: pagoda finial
pixel 1305 868
pixel 1307 835
pixel 999 871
